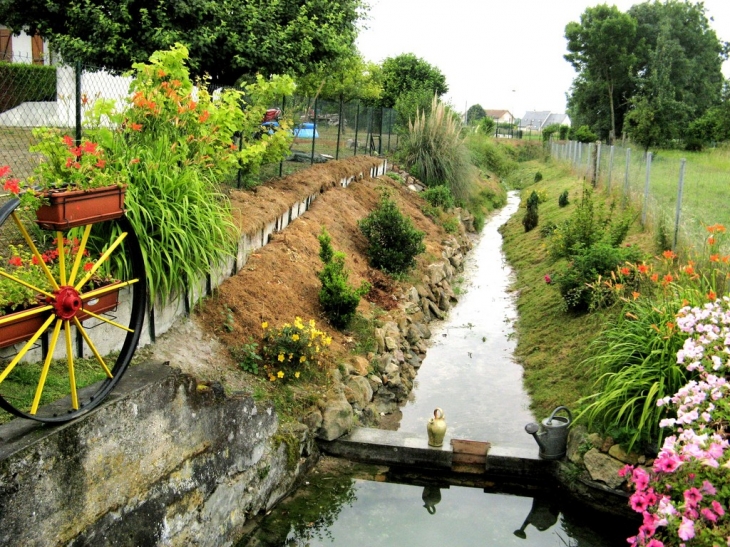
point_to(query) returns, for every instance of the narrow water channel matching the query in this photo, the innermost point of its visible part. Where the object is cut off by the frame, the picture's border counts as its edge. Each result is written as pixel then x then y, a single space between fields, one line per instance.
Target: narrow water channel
pixel 469 370
pixel 471 374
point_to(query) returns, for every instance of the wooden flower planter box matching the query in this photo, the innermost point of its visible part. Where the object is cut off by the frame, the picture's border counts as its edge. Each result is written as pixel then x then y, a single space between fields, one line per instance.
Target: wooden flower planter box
pixel 72 208
pixel 14 331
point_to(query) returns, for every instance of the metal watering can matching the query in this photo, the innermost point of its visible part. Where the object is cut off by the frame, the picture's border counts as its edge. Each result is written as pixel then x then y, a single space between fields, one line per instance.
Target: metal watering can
pixel 552 434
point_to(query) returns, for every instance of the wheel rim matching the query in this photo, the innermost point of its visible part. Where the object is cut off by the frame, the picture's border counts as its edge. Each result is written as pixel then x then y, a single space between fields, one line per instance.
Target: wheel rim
pixel 67 312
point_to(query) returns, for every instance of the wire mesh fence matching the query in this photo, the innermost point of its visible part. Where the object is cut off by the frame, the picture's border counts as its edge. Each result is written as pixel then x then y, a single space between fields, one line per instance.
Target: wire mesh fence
pixel 682 195
pixel 33 97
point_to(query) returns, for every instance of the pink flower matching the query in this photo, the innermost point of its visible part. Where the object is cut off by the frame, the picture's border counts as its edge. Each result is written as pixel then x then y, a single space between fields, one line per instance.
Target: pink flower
pixel 717 508
pixel 548 279
pixel 638 502
pixel 654 543
pixel 686 529
pixel 692 496
pixel 640 478
pixel 708 514
pixel 708 489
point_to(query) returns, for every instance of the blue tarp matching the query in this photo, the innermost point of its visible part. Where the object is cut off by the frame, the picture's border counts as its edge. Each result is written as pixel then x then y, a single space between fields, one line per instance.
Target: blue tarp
pixel 305 131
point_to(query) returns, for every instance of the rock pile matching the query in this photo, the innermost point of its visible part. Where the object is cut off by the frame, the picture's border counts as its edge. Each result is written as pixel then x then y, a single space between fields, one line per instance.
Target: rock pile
pixel 368 388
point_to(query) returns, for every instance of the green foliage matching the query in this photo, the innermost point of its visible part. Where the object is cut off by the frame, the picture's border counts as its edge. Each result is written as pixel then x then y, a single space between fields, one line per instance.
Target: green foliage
pixel 349 78
pixel 174 149
pixel 434 151
pixel 394 176
pixel 439 196
pixel 227 40
pixel 661 238
pixel 247 356
pixel 579 281
pixel 635 364
pixel 338 298
pixel 475 114
pixel 290 350
pixel 583 134
pixel 490 156
pixel 21 82
pixel 550 130
pixel 407 73
pixel 531 214
pixel 538 176
pixel 451 225
pixel 486 126
pixel 564 131
pixel 563 199
pixel 393 241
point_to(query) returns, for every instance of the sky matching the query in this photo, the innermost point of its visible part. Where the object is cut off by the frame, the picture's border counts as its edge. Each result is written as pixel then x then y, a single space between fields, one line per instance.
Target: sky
pixel 501 54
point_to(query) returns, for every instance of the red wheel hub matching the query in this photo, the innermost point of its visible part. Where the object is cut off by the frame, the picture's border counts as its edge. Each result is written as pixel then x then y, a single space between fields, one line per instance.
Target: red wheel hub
pixel 67 302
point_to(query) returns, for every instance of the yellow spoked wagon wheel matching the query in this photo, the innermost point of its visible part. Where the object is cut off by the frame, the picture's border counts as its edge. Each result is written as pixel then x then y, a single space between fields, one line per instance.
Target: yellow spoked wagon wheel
pixel 78 306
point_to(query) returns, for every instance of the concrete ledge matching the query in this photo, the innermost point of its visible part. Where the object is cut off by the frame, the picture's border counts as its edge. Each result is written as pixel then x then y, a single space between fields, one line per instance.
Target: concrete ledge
pixel 390 448
pixel 395 448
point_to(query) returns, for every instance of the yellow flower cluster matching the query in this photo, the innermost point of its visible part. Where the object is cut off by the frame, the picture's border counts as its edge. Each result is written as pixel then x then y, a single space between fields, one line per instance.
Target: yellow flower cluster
pixel 288 350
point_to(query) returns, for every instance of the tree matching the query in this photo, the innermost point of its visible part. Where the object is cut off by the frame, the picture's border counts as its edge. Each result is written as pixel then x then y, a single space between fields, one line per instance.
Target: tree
pixel 349 78
pixel 410 84
pixel 600 49
pixel 475 114
pixel 227 39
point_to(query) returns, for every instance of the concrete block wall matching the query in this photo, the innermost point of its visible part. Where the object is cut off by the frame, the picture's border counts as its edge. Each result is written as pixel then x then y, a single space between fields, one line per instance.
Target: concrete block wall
pixel 160 318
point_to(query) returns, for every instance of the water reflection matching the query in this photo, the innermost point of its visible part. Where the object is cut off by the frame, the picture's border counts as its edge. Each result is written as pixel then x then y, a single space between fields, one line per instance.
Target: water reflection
pixel 342 511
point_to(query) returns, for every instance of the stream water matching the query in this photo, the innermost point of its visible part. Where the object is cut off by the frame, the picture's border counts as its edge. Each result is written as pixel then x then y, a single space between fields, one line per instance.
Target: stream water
pixel 471 374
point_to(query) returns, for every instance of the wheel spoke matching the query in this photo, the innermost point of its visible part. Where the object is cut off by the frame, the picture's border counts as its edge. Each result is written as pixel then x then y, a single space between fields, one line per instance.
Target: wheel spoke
pixel 26 348
pixel 107 289
pixel 46 366
pixel 24 314
pixel 102 318
pixel 96 353
pixel 101 261
pixel 61 258
pixel 31 287
pixel 79 254
pixel 70 361
pixel 34 249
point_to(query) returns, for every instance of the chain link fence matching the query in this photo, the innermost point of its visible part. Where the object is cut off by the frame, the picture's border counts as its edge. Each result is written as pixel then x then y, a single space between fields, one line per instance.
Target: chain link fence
pixel 682 195
pixel 36 96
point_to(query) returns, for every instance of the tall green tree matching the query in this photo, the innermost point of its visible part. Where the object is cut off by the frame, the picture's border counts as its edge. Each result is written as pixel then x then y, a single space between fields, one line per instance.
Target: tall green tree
pixel 409 85
pixel 600 50
pixel 227 39
pixel 349 77
pixel 475 113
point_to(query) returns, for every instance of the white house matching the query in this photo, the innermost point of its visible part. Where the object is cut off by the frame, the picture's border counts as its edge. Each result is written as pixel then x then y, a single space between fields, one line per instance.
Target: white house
pixel 500 116
pixel 537 120
pixel 23 48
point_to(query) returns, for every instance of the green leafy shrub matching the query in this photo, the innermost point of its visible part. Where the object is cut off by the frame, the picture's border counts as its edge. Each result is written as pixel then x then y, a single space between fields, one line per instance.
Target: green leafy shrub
pixel 579 281
pixel 439 196
pixel 538 176
pixel 21 82
pixel 583 134
pixel 451 225
pixel 563 199
pixel 290 350
pixel 564 132
pixel 549 131
pixel 338 298
pixel 247 356
pixel 531 214
pixel 434 151
pixel 393 241
pixel 394 176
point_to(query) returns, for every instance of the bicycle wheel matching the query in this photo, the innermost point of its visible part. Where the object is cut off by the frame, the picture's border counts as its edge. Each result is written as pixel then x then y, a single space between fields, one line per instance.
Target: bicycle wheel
pixel 74 312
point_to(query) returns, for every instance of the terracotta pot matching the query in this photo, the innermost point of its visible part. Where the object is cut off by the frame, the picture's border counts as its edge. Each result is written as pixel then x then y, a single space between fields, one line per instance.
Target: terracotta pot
pixel 21 330
pixel 68 209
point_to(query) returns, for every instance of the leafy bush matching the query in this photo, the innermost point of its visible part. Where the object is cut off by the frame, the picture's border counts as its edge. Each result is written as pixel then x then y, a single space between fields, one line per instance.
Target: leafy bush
pixel 583 134
pixel 394 176
pixel 531 215
pixel 550 130
pixel 439 196
pixel 564 132
pixel 247 356
pixel 21 82
pixel 434 151
pixel 451 225
pixel 338 298
pixel 563 200
pixel 289 351
pixel 579 281
pixel 486 126
pixel 393 241
pixel 538 176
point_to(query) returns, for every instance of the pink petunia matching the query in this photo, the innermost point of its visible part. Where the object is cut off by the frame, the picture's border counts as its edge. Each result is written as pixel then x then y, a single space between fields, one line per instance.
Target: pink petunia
pixel 708 514
pixel 654 543
pixel 717 508
pixel 686 529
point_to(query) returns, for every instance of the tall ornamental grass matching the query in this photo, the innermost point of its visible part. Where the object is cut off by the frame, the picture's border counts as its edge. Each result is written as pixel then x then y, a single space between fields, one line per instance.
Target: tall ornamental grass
pixel 434 150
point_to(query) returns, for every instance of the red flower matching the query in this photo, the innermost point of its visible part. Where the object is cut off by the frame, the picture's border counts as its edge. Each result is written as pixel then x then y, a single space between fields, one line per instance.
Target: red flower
pixel 204 116
pixel 625 271
pixel 100 164
pixel 548 279
pixel 135 160
pixel 12 186
pixel 4 170
pixel 136 126
pixel 68 141
pixel 89 147
pixel 15 261
pixel 88 266
pixel 715 258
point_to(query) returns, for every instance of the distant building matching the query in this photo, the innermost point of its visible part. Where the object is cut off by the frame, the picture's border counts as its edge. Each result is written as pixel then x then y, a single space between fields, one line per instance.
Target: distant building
pixel 537 120
pixel 23 48
pixel 500 116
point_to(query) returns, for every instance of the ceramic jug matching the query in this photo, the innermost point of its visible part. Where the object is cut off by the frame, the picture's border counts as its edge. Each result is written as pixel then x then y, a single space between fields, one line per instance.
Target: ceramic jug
pixel 436 428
